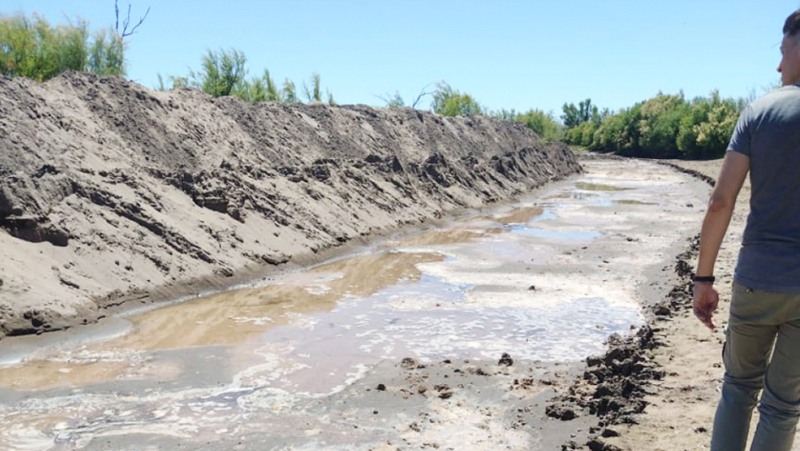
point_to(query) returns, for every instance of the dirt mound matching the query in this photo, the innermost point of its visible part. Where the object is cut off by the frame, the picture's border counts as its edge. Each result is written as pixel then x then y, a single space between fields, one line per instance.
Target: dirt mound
pixel 110 192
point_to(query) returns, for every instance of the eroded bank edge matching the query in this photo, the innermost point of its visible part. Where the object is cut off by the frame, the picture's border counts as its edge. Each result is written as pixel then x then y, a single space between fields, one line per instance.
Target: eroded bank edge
pixel 614 385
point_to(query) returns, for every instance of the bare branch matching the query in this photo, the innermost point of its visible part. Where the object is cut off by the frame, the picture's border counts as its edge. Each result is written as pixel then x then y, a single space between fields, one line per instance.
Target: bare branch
pixel 392 101
pixel 422 93
pixel 126 23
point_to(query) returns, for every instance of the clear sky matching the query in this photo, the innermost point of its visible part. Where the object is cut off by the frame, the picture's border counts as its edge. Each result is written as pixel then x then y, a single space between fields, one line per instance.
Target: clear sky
pixel 506 54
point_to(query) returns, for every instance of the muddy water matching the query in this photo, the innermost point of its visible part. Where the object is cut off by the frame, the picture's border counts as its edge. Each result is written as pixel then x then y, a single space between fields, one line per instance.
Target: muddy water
pixel 546 279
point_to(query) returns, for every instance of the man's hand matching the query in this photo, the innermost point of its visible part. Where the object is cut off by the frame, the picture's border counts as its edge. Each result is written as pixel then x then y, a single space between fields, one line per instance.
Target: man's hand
pixel 705 303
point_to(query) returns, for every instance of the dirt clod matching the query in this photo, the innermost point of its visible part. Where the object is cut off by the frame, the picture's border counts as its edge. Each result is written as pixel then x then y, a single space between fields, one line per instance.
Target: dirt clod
pixel 505 360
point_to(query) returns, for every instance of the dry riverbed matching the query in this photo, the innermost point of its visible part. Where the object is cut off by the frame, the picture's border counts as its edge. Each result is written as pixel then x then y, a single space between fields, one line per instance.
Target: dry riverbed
pixel 472 335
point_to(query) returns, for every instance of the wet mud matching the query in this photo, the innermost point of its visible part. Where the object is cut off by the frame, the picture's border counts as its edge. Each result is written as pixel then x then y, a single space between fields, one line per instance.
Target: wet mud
pixel 469 336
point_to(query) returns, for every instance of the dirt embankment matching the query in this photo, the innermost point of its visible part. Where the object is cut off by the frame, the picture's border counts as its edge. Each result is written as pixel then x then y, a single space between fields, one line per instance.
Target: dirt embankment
pixel 110 192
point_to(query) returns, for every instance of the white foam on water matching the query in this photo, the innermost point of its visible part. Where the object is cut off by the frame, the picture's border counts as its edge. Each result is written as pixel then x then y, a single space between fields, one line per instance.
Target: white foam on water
pixel 25 437
pixel 301 321
pixel 258 321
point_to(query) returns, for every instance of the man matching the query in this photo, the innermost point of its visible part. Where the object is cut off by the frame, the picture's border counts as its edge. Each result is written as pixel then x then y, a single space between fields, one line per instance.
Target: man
pixel 762 347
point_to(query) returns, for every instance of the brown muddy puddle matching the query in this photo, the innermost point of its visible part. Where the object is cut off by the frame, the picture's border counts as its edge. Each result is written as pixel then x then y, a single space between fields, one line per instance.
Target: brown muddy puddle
pixel 463 291
pixel 226 319
pixel 595 200
pixel 587 186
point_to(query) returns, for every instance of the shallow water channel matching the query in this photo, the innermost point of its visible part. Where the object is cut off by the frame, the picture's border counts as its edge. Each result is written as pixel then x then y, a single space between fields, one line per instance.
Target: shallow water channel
pixel 547 279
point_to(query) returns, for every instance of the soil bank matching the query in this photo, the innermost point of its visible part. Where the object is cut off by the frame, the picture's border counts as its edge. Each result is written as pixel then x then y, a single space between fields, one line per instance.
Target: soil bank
pixel 114 194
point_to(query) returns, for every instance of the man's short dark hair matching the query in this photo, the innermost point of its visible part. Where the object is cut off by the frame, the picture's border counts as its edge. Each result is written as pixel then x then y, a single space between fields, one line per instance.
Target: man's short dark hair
pixel 792 25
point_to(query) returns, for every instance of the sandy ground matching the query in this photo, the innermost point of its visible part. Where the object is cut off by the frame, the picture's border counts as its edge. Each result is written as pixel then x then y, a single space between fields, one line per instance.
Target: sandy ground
pixel 681 405
pixel 197 377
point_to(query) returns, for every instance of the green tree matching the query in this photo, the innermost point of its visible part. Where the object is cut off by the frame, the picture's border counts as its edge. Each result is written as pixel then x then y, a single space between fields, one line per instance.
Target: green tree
pixel 577 115
pixel 107 54
pixel 261 89
pixel 581 122
pixel 505 115
pixel 606 137
pixel 542 123
pixel 660 122
pixel 224 73
pixel 393 101
pixel 449 102
pixel 705 132
pixel 221 73
pixel 272 92
pixel 667 126
pixel 289 92
pixel 175 83
pixel 34 49
pixel 581 135
pixel 314 93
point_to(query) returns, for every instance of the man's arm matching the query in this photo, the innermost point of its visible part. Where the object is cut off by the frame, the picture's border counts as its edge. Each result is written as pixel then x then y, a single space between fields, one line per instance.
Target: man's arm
pixel 718 217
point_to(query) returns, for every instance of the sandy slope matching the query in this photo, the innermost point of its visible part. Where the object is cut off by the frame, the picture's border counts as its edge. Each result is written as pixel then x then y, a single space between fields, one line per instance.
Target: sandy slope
pixel 110 192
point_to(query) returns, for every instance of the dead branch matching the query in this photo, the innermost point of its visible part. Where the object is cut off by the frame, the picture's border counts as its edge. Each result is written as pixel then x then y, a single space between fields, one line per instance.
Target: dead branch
pixel 126 23
pixel 422 94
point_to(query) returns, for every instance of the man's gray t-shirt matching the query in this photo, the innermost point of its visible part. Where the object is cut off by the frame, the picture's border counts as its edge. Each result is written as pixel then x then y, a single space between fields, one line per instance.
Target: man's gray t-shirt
pixel 768 131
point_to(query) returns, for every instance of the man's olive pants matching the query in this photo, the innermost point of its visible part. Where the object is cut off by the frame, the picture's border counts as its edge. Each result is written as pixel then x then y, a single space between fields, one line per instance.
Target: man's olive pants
pixel 762 351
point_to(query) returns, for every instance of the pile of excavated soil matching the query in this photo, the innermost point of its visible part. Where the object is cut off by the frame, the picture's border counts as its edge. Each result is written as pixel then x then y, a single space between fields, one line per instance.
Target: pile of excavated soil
pixel 111 193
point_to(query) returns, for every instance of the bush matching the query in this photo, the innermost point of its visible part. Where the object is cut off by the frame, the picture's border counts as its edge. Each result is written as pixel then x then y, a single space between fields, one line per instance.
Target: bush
pixel 32 48
pixel 393 101
pixel 542 123
pixel 107 54
pixel 667 126
pixel 449 102
pixel 704 133
pixel 224 73
pixel 221 73
pixel 259 89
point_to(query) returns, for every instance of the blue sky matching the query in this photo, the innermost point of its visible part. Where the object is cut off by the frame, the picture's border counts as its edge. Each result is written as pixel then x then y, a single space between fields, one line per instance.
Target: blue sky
pixel 506 54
